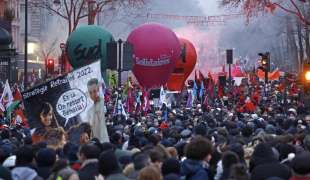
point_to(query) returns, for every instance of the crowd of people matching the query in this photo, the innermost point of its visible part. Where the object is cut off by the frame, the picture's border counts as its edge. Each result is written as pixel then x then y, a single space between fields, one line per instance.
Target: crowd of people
pixel 251 131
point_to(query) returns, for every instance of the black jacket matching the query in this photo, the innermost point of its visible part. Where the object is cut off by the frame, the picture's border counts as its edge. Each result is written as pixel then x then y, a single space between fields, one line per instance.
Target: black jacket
pixel 267 170
pixel 89 170
pixel 44 172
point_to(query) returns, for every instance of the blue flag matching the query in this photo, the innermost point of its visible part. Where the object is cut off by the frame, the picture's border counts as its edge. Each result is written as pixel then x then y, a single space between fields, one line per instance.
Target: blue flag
pixel 195 89
pixel 201 89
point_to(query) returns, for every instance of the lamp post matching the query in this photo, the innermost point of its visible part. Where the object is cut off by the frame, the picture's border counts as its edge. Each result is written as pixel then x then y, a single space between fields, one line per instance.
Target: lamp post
pixel 26 46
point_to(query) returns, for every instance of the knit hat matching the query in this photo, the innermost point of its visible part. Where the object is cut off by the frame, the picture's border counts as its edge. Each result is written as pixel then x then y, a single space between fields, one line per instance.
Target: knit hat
pixel 170 166
pixel 46 157
pixel 200 129
pixel 300 163
pixel 270 129
pixel 186 133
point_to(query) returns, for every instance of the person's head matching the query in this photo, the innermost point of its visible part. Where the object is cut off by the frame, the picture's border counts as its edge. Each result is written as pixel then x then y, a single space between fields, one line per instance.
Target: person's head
pixel 67 174
pixel 229 158
pixel 170 166
pixel 55 138
pixel 263 153
pixel 46 157
pixel 173 152
pixel 239 171
pixel 93 89
pixel 24 155
pixel 70 150
pixel 199 149
pixel 156 158
pixel 108 163
pixel 46 115
pixel 141 160
pixel 150 173
pixel 89 151
pixel 84 138
pixel 300 164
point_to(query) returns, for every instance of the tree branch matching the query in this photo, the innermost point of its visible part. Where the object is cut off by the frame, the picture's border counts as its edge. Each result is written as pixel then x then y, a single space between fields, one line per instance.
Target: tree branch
pixel 49 8
pixel 66 7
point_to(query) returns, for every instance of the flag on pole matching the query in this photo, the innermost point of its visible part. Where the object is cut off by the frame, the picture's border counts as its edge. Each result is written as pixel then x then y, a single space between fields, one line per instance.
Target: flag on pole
pixel 119 109
pixel 195 88
pixel 17 96
pixel 189 102
pixel 7 97
pixel 162 98
pixel 202 78
pixel 146 102
pixel 210 85
pixel 201 89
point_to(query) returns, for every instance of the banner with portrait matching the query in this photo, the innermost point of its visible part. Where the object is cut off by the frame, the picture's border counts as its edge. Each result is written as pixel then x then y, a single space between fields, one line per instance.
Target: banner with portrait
pixel 66 99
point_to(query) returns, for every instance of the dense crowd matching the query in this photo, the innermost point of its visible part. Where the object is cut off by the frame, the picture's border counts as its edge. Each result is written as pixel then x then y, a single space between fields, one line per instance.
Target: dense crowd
pixel 246 132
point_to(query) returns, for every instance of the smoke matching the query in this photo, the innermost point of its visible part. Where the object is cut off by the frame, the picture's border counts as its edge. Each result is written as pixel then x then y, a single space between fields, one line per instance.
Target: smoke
pixel 261 34
pixel 52 36
pixel 205 42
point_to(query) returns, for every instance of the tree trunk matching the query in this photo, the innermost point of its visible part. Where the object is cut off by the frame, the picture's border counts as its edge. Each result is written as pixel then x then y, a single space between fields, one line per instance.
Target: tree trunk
pixel 307 41
pixel 292 44
pixel 69 27
pixel 300 44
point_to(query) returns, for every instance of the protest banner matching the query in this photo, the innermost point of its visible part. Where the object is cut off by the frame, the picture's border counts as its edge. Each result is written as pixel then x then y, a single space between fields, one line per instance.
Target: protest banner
pixel 68 96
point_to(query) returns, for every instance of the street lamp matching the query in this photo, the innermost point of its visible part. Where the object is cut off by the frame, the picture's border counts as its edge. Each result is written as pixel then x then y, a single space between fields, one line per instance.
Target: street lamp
pixel 31 48
pixel 26 46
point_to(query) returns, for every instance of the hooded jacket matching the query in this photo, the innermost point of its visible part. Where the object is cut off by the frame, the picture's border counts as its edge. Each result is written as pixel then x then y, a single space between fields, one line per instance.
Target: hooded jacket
pixel 24 173
pixel 194 170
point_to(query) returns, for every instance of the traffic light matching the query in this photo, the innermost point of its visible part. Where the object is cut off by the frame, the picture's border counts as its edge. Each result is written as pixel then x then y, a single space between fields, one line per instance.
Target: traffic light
pixel 50 66
pixel 265 64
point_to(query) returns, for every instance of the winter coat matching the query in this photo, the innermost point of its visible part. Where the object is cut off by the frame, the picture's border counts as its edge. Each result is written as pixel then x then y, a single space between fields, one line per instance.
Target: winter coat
pixel 300 178
pixel 194 170
pixel 89 170
pixel 25 173
pixel 273 169
pixel 118 176
pixel 44 172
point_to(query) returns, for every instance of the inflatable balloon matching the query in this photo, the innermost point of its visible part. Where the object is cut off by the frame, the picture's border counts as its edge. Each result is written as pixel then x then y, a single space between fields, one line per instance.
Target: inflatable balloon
pixel 190 57
pixel 87 44
pixel 156 50
pixel 184 66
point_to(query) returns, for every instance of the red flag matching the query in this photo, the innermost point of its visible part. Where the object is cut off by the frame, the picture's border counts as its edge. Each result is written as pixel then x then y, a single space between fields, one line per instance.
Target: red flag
pixel 197 79
pixel 223 68
pixel 210 85
pixel 220 90
pixel 202 78
pixel 17 96
pixel 22 117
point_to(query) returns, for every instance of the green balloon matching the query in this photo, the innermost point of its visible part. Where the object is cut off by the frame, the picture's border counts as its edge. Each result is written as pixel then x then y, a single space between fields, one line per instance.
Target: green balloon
pixel 87 44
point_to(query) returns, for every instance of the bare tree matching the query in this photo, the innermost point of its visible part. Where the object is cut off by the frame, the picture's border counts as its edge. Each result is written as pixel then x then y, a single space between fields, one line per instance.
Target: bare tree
pixel 74 10
pixel 47 49
pixel 253 7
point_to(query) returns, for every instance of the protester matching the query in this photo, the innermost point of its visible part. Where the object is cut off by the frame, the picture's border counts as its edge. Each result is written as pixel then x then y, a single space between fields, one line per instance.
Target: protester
pixel 198 154
pixel 45 160
pixel 88 156
pixel 243 134
pixel 109 166
pixel 150 173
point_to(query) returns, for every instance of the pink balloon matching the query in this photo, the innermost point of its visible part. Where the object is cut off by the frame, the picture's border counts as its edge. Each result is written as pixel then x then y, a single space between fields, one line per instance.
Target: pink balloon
pixel 156 50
